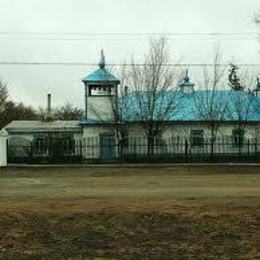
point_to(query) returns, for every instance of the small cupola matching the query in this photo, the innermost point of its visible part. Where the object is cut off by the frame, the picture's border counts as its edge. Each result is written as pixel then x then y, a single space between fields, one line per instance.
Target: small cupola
pixel 257 89
pixel 187 86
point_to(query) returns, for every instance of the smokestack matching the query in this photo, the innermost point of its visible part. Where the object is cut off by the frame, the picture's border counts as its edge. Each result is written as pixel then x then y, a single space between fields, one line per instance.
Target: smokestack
pixel 49 104
pixel 48 114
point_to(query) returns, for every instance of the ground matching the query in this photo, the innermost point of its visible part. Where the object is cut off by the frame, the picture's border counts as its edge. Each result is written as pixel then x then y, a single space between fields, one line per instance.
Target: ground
pixel 134 213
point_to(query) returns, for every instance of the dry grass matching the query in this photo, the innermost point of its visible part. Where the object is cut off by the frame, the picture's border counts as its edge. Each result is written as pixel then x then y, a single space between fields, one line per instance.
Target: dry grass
pixel 154 213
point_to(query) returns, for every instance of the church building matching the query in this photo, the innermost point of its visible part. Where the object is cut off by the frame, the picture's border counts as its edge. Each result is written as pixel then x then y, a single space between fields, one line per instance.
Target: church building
pixel 94 137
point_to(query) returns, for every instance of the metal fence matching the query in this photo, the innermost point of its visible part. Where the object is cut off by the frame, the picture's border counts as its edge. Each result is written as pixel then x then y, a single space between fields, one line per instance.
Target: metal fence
pixel 180 151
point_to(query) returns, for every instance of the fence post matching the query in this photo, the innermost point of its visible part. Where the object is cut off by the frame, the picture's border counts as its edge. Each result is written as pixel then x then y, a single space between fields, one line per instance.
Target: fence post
pixel 80 151
pixel 248 148
pixel 3 148
pixel 186 150
pixel 255 150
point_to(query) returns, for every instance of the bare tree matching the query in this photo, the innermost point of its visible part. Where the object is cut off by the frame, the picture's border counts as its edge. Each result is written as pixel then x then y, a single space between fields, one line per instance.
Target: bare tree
pixel 234 80
pixel 3 103
pixel 68 112
pixel 10 110
pixel 3 96
pixel 257 18
pixel 152 91
pixel 147 95
pixel 17 111
pixel 210 103
pixel 120 104
pixel 241 102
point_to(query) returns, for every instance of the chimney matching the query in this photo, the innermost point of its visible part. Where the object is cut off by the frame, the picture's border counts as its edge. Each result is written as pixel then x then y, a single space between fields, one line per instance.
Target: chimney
pixel 49 104
pixel 48 114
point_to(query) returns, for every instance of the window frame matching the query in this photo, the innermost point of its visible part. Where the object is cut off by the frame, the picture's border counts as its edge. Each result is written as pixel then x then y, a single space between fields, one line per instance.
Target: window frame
pixel 40 144
pixel 197 140
pixel 238 136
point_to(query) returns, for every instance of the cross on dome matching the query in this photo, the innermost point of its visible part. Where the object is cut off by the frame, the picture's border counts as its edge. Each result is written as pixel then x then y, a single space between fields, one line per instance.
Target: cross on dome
pixel 187 78
pixel 102 62
pixel 187 81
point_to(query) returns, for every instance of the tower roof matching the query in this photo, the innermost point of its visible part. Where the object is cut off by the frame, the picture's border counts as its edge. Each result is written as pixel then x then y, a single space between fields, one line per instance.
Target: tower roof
pixel 186 81
pixel 102 74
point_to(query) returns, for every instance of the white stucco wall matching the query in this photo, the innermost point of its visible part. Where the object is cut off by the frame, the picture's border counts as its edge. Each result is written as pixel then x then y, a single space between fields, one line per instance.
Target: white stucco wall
pixel 224 131
pixel 99 108
pixel 174 136
pixel 184 131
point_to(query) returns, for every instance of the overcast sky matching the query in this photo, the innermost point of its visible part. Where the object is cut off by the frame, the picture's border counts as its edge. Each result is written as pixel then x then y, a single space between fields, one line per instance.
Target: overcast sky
pixel 31 83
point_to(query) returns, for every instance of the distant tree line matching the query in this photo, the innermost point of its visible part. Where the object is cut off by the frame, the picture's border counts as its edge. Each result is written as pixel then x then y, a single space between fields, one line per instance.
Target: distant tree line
pixel 11 110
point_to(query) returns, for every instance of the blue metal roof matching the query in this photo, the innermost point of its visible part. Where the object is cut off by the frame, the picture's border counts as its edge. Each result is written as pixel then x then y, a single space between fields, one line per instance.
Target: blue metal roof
pixel 241 106
pixel 101 75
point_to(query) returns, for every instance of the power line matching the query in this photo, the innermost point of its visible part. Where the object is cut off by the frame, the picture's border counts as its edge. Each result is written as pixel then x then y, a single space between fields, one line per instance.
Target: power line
pixel 132 33
pixel 123 65
pixel 125 39
pixel 126 36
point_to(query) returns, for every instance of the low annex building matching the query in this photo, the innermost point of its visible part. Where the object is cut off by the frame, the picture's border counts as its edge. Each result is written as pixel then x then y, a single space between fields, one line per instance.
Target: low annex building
pixel 95 136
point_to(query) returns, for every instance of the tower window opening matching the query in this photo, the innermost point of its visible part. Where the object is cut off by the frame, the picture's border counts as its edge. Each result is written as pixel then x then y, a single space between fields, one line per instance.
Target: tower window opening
pixel 101 90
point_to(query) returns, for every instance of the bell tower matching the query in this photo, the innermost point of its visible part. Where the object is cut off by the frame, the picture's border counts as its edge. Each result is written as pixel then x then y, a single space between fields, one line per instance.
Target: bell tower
pixel 101 90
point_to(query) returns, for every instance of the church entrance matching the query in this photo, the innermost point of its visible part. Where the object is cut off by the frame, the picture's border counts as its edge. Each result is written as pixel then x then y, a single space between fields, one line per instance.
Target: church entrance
pixel 107 147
